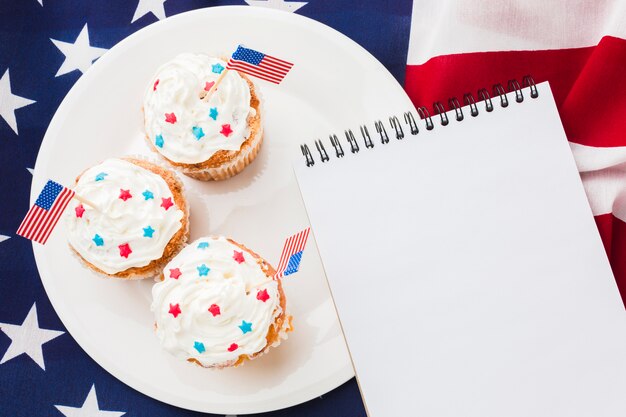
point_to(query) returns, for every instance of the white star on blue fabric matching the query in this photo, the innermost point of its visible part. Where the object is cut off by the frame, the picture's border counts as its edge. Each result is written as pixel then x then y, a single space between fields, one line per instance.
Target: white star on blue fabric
pixel 149 6
pixel 89 408
pixel 287 6
pixel 78 55
pixel 27 338
pixel 3 238
pixel 9 102
pixel 203 270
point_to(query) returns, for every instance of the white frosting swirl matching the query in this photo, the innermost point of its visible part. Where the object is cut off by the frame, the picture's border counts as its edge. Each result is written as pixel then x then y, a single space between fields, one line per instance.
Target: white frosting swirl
pixel 141 221
pixel 201 127
pixel 216 311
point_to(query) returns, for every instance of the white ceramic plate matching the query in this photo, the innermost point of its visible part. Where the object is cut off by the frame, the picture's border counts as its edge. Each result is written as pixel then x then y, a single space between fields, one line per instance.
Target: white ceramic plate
pixel 333 85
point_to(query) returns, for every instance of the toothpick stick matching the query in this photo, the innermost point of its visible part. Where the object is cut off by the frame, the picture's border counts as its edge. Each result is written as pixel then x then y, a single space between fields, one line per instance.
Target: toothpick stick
pixel 214 87
pixel 85 201
pixel 260 284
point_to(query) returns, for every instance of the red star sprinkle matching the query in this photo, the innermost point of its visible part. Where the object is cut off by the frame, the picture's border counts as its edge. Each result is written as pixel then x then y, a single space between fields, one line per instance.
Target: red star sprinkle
pixel 215 310
pixel 226 130
pixel 174 310
pixel 79 210
pixel 170 118
pixel 262 295
pixel 166 203
pixel 155 85
pixel 233 347
pixel 238 256
pixel 125 250
pixel 125 194
pixel 208 85
pixel 175 273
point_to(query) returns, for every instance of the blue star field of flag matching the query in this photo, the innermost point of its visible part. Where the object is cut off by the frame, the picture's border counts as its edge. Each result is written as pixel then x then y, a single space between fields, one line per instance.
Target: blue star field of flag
pixel 45 47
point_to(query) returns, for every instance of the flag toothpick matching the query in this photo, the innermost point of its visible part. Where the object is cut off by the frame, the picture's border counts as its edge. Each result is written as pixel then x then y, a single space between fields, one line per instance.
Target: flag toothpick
pixel 256 64
pixel 88 202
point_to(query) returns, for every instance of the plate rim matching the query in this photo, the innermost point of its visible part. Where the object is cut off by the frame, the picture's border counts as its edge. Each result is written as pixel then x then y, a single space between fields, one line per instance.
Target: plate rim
pixel 327 384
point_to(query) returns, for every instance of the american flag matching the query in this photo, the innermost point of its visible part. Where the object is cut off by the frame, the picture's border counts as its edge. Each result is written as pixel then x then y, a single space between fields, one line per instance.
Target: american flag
pixel 259 65
pixel 292 253
pixel 44 215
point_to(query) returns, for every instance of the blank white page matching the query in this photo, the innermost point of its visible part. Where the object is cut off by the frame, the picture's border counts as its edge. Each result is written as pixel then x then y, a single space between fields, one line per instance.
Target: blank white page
pixel 467 270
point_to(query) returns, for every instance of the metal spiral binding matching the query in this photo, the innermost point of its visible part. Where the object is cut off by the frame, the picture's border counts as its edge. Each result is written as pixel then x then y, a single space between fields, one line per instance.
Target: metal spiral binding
pixel 380 129
pixel 395 124
pixel 366 137
pixel 334 140
pixel 354 147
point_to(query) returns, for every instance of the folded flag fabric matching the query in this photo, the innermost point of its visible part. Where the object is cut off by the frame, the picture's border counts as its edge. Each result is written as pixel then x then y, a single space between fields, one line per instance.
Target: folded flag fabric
pixel 259 65
pixel 46 212
pixel 292 253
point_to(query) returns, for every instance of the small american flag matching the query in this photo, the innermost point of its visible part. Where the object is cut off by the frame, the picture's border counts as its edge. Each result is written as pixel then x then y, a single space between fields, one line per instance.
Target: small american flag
pixel 44 215
pixel 292 253
pixel 259 65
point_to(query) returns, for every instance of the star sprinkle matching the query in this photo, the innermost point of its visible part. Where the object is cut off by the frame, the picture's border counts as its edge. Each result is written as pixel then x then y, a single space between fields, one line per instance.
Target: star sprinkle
pixel 238 257
pixel 101 176
pixel 215 310
pixel 125 194
pixel 197 132
pixel 175 273
pixel 199 346
pixel 203 270
pixel 147 195
pixel 208 85
pixel 233 347
pixel 174 310
pixel 166 203
pixel 226 130
pixel 125 250
pixel 155 85
pixel 79 209
pixel 97 239
pixel 213 113
pixel 262 295
pixel 158 141
pixel 245 326
pixel 217 68
pixel 170 118
pixel 148 231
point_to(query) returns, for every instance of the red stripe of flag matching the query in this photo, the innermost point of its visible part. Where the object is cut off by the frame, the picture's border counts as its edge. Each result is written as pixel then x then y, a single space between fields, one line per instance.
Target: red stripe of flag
pixel 252 70
pixel 39 223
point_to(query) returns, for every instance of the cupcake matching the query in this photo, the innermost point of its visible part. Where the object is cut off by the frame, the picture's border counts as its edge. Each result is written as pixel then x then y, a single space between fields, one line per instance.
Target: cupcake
pixel 218 304
pixel 139 222
pixel 207 137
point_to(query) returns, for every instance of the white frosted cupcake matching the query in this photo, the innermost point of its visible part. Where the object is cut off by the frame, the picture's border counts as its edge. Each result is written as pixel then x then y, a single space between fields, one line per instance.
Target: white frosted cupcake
pixel 210 138
pixel 140 223
pixel 217 304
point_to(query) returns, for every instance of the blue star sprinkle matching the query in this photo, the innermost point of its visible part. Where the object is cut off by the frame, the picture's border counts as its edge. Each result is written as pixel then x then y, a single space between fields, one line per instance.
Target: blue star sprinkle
pixel 199 346
pixel 158 141
pixel 197 132
pixel 245 326
pixel 217 68
pixel 203 270
pixel 148 231
pixel 213 113
pixel 203 245
pixel 101 176
pixel 98 240
pixel 148 195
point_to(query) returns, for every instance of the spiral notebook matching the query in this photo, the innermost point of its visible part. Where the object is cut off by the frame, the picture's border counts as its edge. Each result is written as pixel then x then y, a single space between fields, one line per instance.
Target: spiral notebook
pixel 467 271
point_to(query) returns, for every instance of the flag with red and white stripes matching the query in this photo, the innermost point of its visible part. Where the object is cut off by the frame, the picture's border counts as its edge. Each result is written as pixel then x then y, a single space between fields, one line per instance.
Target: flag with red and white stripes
pixel 45 214
pixel 579 47
pixel 259 65
pixel 292 253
